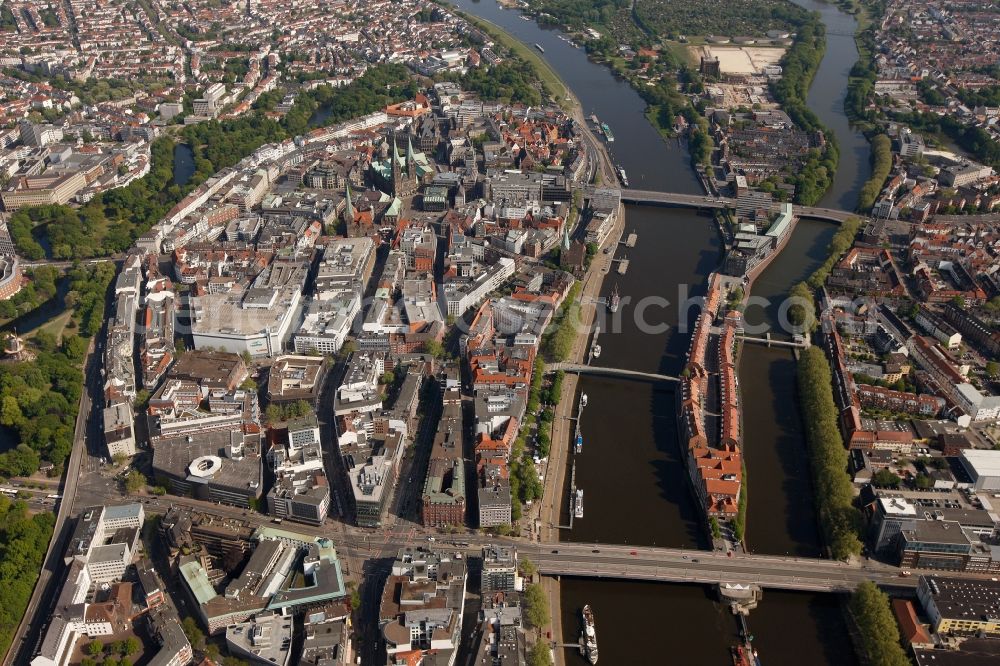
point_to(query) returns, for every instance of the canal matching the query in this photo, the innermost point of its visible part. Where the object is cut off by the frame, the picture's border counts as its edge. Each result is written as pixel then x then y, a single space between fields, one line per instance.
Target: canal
pixel 631 468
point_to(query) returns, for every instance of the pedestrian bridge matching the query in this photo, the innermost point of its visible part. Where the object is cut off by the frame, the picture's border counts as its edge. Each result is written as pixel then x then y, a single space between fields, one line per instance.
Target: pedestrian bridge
pixel 609 372
pixel 776 342
pixel 650 197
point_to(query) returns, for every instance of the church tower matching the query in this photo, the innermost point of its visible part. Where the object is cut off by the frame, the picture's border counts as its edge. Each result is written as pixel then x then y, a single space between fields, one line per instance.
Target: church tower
pixel 411 163
pixel 349 209
pixel 397 176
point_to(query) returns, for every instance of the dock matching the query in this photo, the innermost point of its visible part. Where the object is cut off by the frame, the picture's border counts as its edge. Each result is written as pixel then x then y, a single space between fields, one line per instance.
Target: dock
pixel 622 266
pixel 632 239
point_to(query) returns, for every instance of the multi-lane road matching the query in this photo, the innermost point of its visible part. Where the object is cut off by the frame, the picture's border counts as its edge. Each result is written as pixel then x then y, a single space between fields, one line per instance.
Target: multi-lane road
pixel 594 560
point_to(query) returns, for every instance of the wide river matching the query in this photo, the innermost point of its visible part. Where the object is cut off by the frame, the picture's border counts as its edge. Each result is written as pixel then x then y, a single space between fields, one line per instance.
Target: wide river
pixel 631 468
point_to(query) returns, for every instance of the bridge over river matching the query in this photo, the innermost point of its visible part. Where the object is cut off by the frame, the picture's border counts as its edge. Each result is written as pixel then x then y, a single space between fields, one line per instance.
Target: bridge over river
pixel 581 369
pixel 650 197
pixel 707 567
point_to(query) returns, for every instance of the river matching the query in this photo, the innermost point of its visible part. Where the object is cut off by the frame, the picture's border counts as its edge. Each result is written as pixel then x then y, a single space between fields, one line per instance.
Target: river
pixel 631 468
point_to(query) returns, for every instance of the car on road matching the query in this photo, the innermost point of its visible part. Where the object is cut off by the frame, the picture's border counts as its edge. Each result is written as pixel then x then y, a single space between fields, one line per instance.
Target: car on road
pixel 431 539
pixel 595 551
pixel 695 560
pixel 632 552
pixel 555 552
pixel 904 574
pixel 684 557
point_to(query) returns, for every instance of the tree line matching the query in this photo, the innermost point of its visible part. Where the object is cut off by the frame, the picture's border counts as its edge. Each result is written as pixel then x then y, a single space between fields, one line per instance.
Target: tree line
pixel 879 635
pixel 39 399
pixel 881 166
pixel 24 538
pixel 839 519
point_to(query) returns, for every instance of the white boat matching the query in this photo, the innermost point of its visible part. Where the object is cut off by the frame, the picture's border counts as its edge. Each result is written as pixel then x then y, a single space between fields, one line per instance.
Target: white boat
pixel 578 504
pixel 615 299
pixel 589 637
pixel 583 400
pixel 597 351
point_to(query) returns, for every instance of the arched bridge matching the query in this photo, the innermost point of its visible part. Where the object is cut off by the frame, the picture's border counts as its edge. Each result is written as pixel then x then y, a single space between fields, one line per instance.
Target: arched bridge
pixel 609 372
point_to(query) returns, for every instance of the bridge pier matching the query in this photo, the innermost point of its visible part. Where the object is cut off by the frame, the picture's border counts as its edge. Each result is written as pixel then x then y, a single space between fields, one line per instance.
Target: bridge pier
pixel 742 598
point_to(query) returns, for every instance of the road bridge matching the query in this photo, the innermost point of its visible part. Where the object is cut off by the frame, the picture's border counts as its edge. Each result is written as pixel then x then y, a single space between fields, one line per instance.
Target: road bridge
pixel 609 372
pixel 650 197
pixel 597 560
pixel 707 567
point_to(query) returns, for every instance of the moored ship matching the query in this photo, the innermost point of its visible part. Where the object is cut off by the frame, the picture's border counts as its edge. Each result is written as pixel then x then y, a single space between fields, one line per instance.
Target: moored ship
pixel 622 176
pixel 583 400
pixel 539 47
pixel 597 351
pixel 588 639
pixel 614 300
pixel 607 132
pixel 578 504
pixel 579 443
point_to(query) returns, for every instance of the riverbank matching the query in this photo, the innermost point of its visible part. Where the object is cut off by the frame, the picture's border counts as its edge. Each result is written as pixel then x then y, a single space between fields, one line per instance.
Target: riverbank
pixel 554 489
pixel 556 87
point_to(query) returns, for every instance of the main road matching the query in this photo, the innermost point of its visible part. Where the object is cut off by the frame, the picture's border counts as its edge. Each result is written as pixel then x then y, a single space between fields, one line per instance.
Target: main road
pixel 595 560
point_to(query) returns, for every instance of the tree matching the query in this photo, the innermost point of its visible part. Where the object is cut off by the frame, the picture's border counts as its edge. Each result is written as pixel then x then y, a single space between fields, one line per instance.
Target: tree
pixel 885 479
pixel 134 481
pixel 540 655
pixel 716 530
pixel 434 348
pixel 132 645
pixel 876 626
pixel 992 369
pixel 527 567
pixel 193 633
pixel 536 606
pixel 95 648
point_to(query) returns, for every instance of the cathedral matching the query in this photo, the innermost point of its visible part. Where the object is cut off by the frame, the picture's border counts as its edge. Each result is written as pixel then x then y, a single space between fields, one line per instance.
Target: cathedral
pixel 398 176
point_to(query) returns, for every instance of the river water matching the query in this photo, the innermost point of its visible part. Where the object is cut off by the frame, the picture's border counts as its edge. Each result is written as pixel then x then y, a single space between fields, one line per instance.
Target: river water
pixel 631 468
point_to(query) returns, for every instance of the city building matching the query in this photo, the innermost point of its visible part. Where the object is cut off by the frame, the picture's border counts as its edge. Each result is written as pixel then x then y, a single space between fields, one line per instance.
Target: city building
pixel 499 572
pixel 962 607
pixel 264 639
pixel 421 609
pixel 119 430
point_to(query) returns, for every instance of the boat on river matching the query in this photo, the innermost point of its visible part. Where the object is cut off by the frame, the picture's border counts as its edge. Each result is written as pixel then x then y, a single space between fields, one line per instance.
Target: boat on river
pixel 539 47
pixel 578 504
pixel 621 176
pixel 614 300
pixel 588 639
pixel 607 133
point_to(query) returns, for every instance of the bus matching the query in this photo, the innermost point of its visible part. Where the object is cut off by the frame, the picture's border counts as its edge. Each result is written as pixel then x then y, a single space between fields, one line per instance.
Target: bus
pixel 53 496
